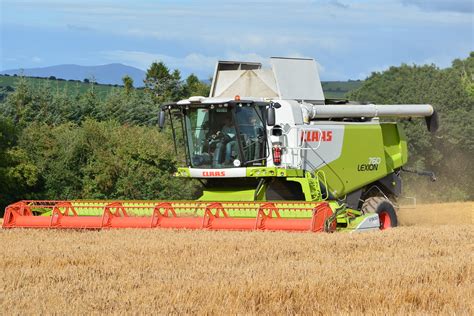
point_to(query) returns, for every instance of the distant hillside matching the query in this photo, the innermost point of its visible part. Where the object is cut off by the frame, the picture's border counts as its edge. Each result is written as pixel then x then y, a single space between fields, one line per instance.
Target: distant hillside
pixel 107 74
pixel 332 89
pixel 339 89
pixel 8 84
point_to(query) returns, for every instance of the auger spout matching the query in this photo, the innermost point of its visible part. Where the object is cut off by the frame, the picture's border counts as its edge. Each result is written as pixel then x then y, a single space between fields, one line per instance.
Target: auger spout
pixel 367 110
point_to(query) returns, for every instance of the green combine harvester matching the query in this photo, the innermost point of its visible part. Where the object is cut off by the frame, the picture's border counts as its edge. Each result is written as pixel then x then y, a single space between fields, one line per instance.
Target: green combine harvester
pixel 272 154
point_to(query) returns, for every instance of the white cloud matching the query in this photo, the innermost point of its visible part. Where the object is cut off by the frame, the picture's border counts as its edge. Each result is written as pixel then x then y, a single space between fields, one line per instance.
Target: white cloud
pixel 364 75
pixel 461 6
pixel 192 62
pixel 339 4
pixel 142 60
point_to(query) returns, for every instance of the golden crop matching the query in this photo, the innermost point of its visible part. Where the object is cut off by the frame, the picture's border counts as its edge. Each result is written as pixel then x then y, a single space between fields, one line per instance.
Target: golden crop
pixel 423 268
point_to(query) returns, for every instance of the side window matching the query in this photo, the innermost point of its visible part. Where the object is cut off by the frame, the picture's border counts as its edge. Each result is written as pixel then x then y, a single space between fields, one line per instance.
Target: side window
pixel 252 134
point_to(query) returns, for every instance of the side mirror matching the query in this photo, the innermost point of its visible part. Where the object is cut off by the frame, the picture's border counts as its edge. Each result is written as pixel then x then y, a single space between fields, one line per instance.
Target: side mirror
pixel 277 131
pixel 161 119
pixel 271 116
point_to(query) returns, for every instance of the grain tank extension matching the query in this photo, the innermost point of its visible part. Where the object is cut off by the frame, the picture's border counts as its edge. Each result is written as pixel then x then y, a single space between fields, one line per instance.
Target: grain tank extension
pixel 272 154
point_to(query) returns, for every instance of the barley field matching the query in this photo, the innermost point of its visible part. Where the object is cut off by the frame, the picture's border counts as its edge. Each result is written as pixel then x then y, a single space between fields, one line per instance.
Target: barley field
pixel 422 267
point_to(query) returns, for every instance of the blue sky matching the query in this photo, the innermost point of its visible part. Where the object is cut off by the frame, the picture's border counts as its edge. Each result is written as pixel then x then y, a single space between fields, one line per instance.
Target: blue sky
pixel 349 39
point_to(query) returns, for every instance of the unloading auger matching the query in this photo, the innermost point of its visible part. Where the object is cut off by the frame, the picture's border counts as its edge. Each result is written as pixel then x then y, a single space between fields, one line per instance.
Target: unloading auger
pixel 272 154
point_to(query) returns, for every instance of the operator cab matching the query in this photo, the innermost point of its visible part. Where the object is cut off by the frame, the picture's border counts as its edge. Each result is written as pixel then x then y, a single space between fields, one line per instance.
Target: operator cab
pixel 224 134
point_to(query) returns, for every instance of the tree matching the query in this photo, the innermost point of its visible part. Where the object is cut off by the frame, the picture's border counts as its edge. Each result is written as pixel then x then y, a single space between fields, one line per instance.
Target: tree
pixel 7 139
pixel 163 85
pixel 18 105
pixel 18 176
pixel 194 87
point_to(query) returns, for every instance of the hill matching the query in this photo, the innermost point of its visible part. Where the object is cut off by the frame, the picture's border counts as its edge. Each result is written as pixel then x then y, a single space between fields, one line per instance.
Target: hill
pixel 106 74
pixel 340 89
pixel 8 84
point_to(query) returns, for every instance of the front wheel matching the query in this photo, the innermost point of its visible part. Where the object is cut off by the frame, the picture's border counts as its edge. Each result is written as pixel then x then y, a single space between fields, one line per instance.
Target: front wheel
pixel 387 215
pixel 384 208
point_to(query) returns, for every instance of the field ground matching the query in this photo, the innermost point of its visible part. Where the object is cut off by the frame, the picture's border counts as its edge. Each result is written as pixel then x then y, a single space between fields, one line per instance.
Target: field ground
pixel 424 267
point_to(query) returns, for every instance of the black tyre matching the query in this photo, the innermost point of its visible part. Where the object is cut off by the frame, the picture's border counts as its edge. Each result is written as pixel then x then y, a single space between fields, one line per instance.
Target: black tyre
pixel 384 208
pixel 387 215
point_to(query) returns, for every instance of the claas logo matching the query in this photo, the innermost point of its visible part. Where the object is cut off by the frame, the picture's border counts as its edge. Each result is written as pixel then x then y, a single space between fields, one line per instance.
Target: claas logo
pixel 213 173
pixel 316 136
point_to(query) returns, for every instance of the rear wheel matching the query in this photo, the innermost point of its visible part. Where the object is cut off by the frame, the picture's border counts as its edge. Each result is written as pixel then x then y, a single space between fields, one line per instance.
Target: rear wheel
pixel 384 208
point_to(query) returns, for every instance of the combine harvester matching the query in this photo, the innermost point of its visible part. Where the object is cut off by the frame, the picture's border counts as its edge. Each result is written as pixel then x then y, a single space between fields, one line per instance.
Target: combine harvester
pixel 272 154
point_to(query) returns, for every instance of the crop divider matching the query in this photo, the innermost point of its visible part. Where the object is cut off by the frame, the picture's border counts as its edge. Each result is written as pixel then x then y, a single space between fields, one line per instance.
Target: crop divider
pixel 158 216
pixel 57 214
pixel 321 213
pixel 209 216
pixel 14 211
pixel 111 211
pixel 262 216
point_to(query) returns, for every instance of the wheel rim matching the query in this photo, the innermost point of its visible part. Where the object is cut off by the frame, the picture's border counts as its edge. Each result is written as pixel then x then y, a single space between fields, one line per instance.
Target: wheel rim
pixel 385 221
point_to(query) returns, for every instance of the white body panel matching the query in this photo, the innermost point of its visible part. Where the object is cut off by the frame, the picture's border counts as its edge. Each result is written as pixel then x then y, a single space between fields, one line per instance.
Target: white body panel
pixel 371 222
pixel 297 79
pixel 305 146
pixel 322 144
pixel 255 83
pixel 288 79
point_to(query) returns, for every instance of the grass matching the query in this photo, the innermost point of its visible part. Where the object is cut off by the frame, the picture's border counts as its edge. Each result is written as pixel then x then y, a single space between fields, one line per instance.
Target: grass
pixel 424 268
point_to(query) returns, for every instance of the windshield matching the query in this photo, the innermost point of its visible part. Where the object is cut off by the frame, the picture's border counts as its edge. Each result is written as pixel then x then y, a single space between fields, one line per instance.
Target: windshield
pixel 224 137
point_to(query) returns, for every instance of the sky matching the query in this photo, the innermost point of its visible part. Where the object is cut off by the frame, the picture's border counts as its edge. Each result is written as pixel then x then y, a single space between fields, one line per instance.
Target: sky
pixel 348 39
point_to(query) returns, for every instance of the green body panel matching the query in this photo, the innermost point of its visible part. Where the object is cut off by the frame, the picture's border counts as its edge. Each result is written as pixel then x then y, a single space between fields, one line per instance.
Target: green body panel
pixel 273 171
pixel 395 145
pixel 228 194
pixel 310 186
pixel 361 142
